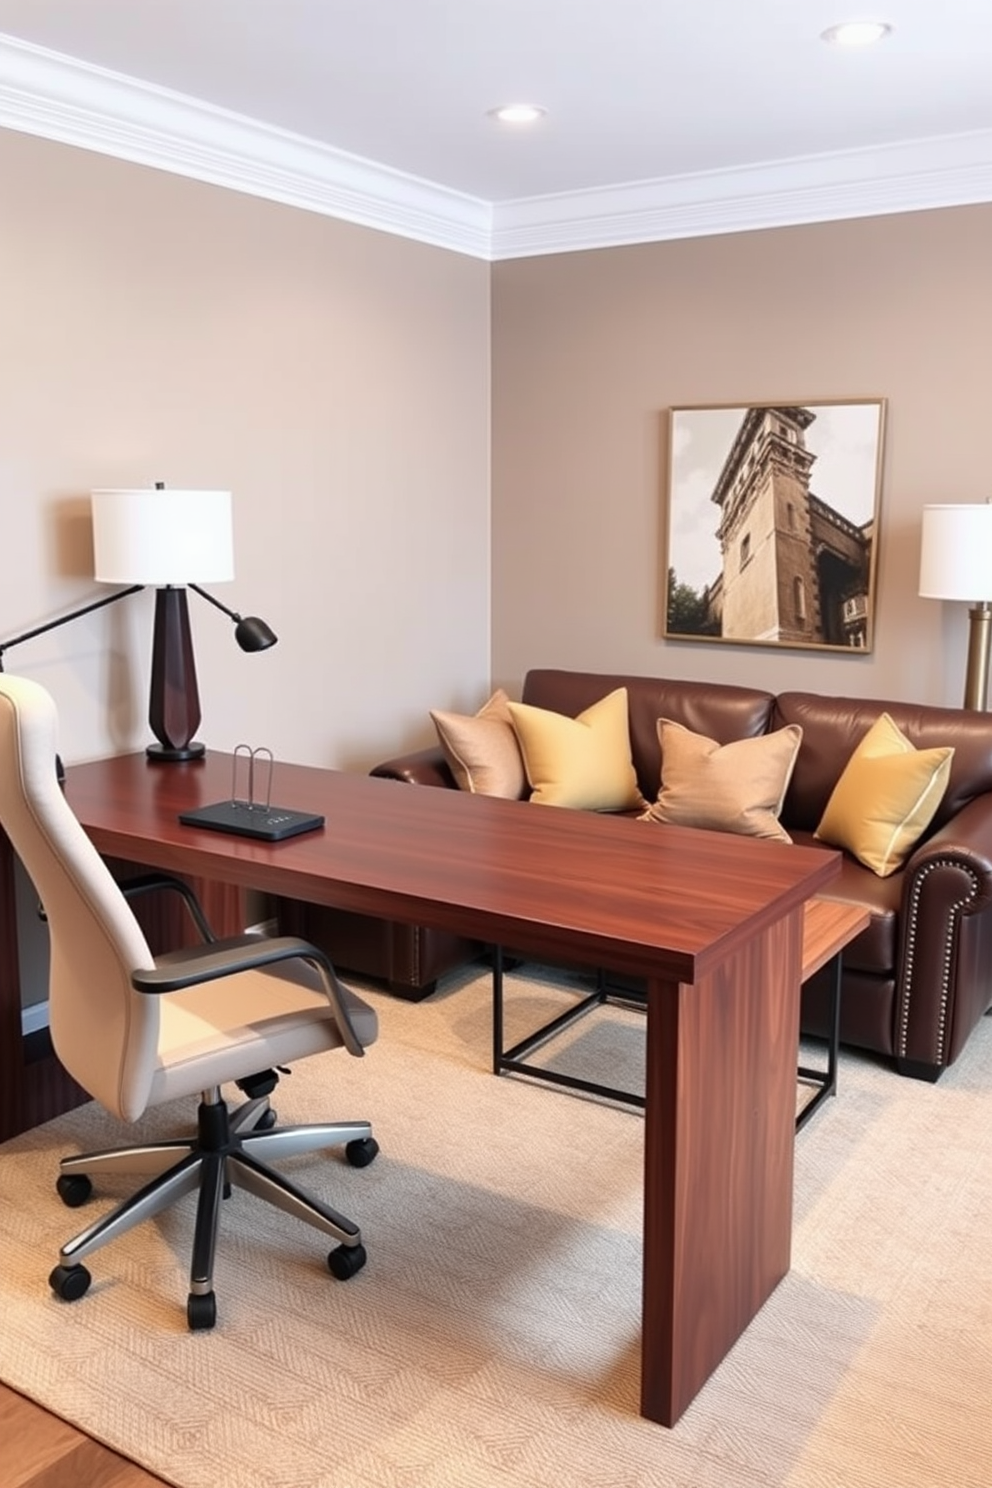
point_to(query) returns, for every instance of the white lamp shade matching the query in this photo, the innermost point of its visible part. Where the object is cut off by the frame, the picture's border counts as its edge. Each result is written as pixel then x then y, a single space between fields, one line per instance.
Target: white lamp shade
pixel 956 553
pixel 162 536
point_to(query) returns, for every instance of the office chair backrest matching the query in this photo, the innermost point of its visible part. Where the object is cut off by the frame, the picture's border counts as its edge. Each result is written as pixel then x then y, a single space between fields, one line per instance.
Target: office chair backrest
pixel 104 1032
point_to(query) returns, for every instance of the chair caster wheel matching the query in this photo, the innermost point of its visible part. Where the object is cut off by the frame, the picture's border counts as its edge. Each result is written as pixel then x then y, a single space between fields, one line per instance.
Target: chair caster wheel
pixel 346 1261
pixel 266 1121
pixel 360 1153
pixel 201 1310
pixel 70 1282
pixel 73 1189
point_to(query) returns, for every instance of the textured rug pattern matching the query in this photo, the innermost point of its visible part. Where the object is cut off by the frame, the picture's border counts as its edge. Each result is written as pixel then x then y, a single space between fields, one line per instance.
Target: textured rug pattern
pixel 493 1339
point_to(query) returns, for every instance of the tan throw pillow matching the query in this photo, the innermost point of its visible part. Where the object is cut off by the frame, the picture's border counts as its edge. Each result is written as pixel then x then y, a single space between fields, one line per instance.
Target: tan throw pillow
pixel 581 762
pixel 482 751
pixel 886 798
pixel 736 787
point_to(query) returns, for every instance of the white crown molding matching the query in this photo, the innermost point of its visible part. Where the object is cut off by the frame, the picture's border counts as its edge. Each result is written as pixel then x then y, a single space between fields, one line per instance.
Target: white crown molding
pixel 947 171
pixel 60 98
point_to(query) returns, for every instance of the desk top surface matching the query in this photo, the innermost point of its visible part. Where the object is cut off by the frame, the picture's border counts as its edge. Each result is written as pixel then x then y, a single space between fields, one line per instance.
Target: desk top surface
pixel 635 896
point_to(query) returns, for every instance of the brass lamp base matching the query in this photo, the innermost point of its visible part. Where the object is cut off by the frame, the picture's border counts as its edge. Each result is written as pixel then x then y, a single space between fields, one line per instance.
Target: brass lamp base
pixel 976 685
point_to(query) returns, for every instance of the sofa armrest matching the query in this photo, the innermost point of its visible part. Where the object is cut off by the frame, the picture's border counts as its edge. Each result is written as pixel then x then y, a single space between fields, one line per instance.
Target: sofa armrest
pixel 420 767
pixel 942 987
pixel 962 845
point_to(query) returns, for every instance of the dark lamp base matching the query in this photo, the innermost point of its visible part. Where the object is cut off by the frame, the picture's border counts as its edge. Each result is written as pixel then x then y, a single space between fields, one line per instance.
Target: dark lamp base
pixel 163 755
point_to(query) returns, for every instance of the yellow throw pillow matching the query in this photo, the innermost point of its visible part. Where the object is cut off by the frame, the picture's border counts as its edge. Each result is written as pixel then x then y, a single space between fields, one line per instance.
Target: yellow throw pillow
pixel 581 762
pixel 482 751
pixel 886 798
pixel 736 787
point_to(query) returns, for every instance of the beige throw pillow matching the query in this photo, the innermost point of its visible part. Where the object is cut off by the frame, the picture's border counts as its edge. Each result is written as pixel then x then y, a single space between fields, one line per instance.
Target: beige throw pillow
pixel 885 798
pixel 581 762
pixel 482 751
pixel 736 787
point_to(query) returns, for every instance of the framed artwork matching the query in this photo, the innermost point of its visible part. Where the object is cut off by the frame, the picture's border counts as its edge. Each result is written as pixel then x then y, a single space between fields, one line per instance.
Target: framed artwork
pixel 771 523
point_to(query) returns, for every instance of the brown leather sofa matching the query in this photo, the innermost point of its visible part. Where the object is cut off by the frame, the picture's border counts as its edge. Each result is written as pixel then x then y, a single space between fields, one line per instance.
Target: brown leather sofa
pixel 916 981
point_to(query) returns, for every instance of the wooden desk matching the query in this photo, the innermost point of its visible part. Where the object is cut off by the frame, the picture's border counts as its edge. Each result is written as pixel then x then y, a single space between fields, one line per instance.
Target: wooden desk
pixel 714 923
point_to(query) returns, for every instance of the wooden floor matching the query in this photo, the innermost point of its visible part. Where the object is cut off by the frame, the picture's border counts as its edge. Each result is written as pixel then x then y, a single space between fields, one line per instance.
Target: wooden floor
pixel 40 1451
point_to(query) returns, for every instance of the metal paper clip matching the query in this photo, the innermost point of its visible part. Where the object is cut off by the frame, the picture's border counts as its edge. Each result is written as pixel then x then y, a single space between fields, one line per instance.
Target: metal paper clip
pixel 249 755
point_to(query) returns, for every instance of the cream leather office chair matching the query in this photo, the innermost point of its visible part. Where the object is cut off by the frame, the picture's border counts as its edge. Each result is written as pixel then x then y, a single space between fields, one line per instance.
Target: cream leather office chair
pixel 136 1030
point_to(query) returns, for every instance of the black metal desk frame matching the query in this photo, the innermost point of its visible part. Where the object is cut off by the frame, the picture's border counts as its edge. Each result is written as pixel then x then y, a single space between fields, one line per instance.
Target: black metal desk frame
pixel 825 1081
pixel 514 1060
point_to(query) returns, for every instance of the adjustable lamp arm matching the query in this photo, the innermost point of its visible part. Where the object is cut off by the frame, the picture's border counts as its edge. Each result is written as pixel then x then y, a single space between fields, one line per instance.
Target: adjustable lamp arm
pixel 98 604
pixel 174 703
pixel 251 633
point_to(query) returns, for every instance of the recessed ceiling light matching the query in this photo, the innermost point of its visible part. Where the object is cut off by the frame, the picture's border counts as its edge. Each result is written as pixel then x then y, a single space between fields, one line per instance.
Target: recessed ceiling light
pixel 518 113
pixel 856 33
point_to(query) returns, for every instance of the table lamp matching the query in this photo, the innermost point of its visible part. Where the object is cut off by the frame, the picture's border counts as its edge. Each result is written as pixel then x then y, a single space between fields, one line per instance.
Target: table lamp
pixel 956 563
pixel 169 539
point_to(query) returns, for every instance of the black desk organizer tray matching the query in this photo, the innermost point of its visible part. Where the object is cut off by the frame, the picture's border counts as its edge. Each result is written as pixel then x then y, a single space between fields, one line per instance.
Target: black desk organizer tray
pixel 246 817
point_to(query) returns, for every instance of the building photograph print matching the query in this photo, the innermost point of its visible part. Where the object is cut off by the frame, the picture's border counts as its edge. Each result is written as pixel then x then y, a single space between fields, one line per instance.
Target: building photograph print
pixel 771 521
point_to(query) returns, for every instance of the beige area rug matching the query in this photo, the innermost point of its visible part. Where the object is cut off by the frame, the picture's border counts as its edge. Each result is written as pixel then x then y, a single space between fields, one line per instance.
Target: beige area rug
pixel 492 1340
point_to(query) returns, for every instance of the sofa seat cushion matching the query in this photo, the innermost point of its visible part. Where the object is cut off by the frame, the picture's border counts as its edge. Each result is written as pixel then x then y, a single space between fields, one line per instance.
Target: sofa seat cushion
pixel 874 951
pixel 867 1008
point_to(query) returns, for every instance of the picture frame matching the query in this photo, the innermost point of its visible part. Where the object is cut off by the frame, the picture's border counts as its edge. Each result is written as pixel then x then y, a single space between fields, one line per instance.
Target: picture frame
pixel 771 523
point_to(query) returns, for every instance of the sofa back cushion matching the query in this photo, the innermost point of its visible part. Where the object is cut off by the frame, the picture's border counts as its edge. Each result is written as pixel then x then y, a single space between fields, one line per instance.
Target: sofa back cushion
pixel 717 710
pixel 833 727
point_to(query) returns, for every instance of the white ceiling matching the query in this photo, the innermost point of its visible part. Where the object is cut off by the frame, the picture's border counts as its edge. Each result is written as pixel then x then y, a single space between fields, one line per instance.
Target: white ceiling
pixel 665 117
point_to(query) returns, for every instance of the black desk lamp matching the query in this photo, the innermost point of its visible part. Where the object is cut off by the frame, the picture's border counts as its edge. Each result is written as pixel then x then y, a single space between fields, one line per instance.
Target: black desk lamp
pixel 169 539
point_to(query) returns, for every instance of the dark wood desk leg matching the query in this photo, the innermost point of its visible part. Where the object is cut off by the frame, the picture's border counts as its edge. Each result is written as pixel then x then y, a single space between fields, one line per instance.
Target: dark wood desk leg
pixel 11 1041
pixel 719 1143
pixel 33 1085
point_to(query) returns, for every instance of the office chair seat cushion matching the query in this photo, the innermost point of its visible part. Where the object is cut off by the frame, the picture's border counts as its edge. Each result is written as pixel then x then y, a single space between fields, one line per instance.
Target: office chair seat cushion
pixel 227 1029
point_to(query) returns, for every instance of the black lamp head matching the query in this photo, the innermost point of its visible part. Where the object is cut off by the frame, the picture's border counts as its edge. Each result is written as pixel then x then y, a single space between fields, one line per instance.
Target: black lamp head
pixel 252 634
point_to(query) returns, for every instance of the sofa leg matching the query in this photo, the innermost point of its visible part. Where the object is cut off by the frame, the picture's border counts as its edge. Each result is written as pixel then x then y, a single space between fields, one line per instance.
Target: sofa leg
pixel 411 994
pixel 917 1070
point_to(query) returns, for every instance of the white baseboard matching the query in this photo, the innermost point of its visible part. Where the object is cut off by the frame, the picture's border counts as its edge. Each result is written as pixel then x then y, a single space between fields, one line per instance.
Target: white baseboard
pixel 34 1018
pixel 264 927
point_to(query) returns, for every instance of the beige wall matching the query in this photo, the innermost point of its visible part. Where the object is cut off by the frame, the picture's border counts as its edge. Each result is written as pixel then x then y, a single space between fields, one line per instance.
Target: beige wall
pixel 590 349
pixel 336 379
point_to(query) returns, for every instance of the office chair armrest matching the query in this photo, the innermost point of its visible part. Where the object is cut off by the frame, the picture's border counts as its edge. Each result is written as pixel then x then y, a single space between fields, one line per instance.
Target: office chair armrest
pixel 178 970
pixel 147 883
